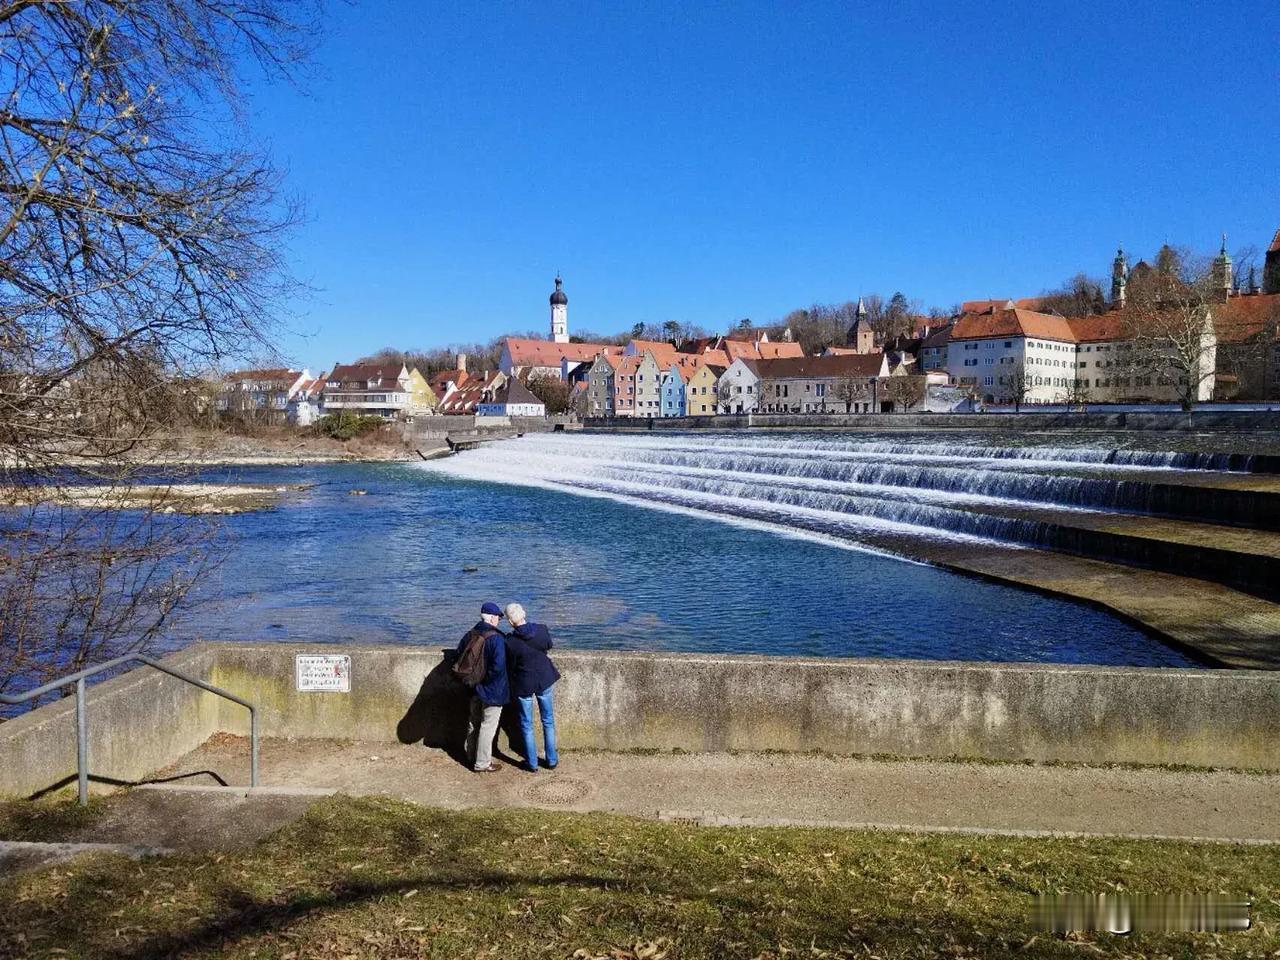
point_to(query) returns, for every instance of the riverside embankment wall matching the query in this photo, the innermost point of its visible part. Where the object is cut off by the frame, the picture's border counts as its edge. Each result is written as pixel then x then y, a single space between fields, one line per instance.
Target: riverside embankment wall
pixel 1197 420
pixel 137 722
pixel 694 702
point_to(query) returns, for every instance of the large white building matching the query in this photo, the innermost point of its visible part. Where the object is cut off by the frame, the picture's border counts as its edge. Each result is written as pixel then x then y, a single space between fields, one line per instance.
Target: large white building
pixel 1003 353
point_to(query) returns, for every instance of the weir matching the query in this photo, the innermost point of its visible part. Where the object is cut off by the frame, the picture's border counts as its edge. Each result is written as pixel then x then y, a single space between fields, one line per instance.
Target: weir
pixel 1202 515
pixel 144 721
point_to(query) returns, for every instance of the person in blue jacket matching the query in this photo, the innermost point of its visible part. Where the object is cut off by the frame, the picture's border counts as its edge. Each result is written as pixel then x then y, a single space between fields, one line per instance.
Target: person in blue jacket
pixel 491 694
pixel 532 675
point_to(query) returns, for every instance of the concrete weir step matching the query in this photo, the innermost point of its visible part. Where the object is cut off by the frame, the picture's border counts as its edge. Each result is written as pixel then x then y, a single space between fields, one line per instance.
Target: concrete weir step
pixel 1246 560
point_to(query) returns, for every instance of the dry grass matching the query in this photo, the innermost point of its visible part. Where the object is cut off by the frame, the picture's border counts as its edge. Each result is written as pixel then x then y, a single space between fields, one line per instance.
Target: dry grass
pixel 382 878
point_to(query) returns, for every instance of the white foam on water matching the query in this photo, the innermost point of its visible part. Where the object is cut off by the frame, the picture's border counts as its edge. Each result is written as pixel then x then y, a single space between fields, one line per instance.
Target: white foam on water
pixel 631 470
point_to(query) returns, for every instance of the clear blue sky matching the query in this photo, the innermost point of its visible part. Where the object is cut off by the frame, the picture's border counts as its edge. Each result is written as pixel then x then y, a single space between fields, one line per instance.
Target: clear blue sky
pixel 707 162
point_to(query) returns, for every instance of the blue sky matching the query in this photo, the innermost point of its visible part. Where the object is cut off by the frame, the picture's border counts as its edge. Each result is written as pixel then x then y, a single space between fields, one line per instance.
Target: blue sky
pixel 707 162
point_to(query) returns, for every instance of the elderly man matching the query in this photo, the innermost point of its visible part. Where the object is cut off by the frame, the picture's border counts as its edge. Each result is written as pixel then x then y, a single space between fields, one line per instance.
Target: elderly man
pixel 532 676
pixel 482 662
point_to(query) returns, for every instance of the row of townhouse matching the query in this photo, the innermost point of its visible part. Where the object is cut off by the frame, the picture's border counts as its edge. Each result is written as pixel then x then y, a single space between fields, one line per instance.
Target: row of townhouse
pixel 273 395
pixel 390 391
pixel 702 385
pixel 640 385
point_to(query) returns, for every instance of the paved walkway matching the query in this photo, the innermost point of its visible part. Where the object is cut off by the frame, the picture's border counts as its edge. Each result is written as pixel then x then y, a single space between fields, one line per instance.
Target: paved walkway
pixel 787 789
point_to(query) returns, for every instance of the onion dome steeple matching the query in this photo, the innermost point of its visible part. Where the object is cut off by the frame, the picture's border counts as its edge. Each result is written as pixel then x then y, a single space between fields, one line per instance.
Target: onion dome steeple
pixel 558 298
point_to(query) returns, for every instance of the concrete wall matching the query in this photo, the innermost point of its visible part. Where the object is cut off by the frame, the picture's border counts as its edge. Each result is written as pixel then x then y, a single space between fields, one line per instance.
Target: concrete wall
pixel 138 722
pixel 626 701
pixel 144 720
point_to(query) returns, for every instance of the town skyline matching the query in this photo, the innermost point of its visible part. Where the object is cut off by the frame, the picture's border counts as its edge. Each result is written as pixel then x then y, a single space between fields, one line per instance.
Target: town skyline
pixel 537 325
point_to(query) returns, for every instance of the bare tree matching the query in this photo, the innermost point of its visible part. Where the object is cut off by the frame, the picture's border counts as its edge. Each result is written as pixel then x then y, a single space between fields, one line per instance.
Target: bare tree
pixel 139 246
pixel 552 391
pixel 905 391
pixel 971 389
pixel 1081 296
pixel 1015 384
pixel 850 390
pixel 1171 344
pixel 1077 391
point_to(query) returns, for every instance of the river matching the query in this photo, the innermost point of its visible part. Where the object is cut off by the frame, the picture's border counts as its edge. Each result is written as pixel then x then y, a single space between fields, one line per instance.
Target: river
pixel 700 544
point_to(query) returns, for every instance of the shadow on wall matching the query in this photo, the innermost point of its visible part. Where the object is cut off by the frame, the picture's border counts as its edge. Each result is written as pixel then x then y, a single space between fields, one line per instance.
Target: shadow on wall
pixel 438 715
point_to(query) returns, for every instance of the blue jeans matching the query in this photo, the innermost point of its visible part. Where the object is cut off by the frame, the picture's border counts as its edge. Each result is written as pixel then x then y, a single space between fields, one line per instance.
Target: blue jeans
pixel 547 712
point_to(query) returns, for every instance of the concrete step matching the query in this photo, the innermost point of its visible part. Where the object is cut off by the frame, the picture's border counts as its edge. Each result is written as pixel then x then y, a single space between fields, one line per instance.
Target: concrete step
pixel 197 817
pixel 19 855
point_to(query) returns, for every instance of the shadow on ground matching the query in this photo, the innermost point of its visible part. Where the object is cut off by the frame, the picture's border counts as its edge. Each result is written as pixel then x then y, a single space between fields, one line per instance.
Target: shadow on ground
pixel 437 718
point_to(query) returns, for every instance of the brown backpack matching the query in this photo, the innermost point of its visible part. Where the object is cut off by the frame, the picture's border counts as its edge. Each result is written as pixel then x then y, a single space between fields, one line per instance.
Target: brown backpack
pixel 469 665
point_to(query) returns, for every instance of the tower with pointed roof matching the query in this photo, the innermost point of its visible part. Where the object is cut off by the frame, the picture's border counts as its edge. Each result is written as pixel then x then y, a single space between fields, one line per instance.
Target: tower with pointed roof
pixel 1222 278
pixel 861 337
pixel 1271 267
pixel 559 313
pixel 1119 278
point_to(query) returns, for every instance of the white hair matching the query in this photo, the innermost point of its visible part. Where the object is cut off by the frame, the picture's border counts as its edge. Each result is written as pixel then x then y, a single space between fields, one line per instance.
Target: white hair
pixel 516 612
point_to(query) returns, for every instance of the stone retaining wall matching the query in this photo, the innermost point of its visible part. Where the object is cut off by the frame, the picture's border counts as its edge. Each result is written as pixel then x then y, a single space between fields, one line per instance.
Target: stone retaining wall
pixel 699 703
pixel 138 722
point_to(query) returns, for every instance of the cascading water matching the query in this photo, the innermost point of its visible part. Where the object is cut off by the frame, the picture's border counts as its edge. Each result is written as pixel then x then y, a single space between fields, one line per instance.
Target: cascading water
pixel 848 486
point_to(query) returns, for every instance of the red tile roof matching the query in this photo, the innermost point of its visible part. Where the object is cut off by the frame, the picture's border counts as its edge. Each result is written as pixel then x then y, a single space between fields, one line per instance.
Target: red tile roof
pixel 1114 325
pixel 465 399
pixel 1011 323
pixel 719 359
pixel 662 351
pixel 439 383
pixel 843 365
pixel 548 353
pixel 783 348
pixel 977 306
pixel 313 388
pixel 347 372
pixel 1244 317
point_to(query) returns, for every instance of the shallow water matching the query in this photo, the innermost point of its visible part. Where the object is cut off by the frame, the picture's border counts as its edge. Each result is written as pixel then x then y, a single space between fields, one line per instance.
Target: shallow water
pixel 607 571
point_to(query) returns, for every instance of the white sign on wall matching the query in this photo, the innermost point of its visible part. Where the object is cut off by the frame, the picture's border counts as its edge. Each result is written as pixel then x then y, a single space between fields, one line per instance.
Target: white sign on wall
pixel 326 672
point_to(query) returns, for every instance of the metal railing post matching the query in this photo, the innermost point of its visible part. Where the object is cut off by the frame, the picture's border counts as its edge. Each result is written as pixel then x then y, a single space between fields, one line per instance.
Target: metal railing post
pixel 82 725
pixel 253 747
pixel 82 745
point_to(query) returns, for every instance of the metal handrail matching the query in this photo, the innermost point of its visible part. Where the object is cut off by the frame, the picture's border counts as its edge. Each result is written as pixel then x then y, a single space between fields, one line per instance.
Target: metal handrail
pixel 82 735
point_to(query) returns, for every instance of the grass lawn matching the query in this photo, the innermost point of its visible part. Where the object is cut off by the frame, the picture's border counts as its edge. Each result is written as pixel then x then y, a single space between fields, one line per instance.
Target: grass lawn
pixel 387 879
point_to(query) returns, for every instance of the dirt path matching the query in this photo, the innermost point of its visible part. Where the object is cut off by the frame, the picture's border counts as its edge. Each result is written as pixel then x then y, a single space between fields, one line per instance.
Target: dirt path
pixel 790 789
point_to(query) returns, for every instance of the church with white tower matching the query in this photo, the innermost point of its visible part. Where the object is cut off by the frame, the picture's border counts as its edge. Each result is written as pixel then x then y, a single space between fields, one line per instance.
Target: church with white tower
pixel 559 313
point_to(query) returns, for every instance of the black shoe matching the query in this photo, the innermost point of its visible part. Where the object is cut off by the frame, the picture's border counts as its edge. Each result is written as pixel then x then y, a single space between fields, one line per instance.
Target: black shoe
pixel 551 766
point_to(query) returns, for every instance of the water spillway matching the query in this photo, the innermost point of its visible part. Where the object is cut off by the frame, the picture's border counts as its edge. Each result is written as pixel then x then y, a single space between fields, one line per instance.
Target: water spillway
pixel 1196 514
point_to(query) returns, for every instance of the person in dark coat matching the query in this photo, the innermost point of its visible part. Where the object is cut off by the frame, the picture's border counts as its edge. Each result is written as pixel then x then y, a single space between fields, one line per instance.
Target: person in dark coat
pixel 491 694
pixel 532 675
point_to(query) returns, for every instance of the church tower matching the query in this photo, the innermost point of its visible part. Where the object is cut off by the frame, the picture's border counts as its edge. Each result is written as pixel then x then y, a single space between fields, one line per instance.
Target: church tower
pixel 1222 279
pixel 559 314
pixel 861 337
pixel 1119 278
pixel 1271 267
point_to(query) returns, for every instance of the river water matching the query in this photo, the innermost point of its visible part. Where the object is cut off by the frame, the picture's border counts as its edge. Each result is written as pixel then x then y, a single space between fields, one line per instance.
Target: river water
pixel 693 543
